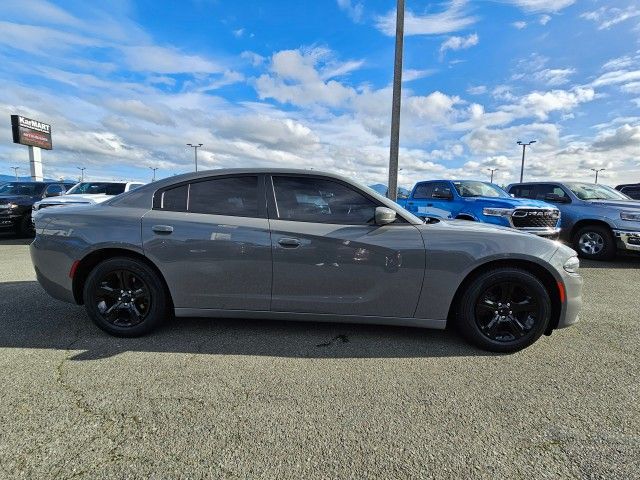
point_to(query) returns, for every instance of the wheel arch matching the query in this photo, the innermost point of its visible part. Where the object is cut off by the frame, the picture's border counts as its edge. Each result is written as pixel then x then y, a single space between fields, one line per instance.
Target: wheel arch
pixel 590 221
pixel 466 216
pixel 540 272
pixel 88 263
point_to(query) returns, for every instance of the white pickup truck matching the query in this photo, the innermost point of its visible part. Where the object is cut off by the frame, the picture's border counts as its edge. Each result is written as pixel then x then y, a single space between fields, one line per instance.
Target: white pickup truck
pixel 87 193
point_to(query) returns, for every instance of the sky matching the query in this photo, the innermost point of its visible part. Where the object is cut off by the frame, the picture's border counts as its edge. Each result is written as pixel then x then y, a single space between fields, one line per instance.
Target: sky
pixel 307 84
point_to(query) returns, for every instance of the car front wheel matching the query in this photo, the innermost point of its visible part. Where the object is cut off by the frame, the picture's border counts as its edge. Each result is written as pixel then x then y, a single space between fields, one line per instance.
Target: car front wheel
pixel 125 297
pixel 595 242
pixel 504 310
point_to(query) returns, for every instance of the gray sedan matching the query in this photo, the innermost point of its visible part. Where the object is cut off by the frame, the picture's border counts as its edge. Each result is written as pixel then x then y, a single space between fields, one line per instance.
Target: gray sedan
pixel 300 245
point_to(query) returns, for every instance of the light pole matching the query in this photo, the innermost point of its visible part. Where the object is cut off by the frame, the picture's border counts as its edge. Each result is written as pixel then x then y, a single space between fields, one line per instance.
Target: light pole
pixel 154 173
pixel 597 170
pixel 524 148
pixel 82 169
pixel 394 143
pixel 492 170
pixel 195 149
pixel 15 170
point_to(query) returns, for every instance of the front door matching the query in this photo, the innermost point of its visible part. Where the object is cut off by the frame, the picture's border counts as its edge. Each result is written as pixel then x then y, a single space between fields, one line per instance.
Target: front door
pixel 329 257
pixel 211 240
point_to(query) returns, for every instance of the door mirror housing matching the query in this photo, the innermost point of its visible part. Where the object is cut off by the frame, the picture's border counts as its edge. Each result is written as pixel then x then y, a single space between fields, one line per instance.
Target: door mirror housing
pixel 385 215
pixel 442 195
pixel 52 194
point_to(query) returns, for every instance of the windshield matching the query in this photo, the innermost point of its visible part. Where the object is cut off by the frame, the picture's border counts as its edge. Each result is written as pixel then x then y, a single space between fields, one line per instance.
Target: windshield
pixel 478 189
pixel 22 188
pixel 592 191
pixel 94 188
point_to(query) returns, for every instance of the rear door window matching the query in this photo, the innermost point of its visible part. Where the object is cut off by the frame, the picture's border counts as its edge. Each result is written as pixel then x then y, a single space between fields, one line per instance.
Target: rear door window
pixel 423 190
pixel 233 196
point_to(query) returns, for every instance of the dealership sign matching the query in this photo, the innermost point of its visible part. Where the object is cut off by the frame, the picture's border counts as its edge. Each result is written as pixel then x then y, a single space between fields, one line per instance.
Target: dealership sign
pixel 31 132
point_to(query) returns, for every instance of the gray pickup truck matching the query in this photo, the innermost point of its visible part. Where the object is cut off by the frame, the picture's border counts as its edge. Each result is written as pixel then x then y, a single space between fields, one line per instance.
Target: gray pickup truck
pixel 596 219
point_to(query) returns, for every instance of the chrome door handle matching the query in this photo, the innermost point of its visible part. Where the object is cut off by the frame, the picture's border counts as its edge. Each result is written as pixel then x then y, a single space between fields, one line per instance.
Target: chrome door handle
pixel 166 229
pixel 289 242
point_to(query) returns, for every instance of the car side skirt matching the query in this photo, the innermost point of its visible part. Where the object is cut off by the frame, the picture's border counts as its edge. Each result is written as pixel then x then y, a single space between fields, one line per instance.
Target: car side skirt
pixel 311 317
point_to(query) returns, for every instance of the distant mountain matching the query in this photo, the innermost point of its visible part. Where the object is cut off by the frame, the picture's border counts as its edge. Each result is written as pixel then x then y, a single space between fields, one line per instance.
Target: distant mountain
pixel 12 178
pixel 382 190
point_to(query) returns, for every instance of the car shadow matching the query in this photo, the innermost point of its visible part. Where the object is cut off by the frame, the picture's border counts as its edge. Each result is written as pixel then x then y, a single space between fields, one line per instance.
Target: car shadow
pixel 31 319
pixel 622 261
pixel 14 239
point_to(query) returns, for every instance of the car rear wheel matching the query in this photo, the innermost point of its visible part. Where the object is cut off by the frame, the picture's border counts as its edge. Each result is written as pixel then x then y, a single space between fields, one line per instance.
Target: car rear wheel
pixel 504 310
pixel 595 242
pixel 125 297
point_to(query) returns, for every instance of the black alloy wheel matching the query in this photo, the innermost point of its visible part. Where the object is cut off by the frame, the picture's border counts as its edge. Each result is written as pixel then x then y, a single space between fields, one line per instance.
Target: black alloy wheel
pixel 504 310
pixel 125 297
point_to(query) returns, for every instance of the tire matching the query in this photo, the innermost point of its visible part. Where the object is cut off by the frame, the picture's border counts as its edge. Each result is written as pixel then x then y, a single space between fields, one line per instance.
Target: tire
pixel 113 309
pixel 25 227
pixel 595 242
pixel 523 305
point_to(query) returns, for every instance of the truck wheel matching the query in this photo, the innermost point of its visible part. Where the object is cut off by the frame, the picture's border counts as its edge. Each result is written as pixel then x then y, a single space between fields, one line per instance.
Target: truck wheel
pixel 595 242
pixel 125 297
pixel 504 310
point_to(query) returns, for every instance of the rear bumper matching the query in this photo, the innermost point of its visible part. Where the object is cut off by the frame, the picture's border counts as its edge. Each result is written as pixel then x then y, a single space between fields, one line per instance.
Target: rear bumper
pixel 52 268
pixel 628 240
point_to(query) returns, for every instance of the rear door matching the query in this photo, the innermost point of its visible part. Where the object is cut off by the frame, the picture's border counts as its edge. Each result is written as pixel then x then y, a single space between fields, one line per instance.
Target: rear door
pixel 329 257
pixel 211 240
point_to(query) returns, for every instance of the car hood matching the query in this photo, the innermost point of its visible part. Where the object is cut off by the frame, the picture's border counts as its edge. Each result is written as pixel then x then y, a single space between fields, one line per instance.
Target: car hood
pixel 622 204
pixel 78 198
pixel 16 199
pixel 500 202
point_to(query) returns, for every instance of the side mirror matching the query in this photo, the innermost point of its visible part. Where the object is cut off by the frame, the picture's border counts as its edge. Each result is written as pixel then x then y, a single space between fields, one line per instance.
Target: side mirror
pixel 442 195
pixel 385 215
pixel 53 194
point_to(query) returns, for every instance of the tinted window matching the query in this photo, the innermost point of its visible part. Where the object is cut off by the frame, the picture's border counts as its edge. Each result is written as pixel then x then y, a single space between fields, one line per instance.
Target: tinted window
pixel 470 188
pixel 524 191
pixel 633 192
pixel 236 196
pixel 22 188
pixel 440 189
pixel 54 189
pixel 307 199
pixel 95 188
pixel 423 190
pixel 175 199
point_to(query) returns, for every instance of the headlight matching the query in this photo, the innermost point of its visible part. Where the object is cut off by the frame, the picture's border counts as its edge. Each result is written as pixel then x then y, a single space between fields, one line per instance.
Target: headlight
pixel 630 216
pixel 12 205
pixel 572 265
pixel 497 212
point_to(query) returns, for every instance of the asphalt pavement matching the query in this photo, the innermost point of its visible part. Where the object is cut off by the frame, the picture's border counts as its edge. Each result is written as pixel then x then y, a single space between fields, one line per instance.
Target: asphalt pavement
pixel 269 399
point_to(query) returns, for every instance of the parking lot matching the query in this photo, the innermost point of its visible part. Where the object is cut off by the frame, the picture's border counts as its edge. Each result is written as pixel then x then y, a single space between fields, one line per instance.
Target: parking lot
pixel 268 399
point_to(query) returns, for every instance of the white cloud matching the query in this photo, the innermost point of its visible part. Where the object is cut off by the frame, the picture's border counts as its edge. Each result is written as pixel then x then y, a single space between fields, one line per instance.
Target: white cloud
pixel 294 79
pixel 459 43
pixel 544 19
pixel 477 90
pixel 157 59
pixel 452 19
pixel 617 77
pixel 541 5
pixel 607 17
pixel 553 77
pixel 353 8
pixel 239 33
pixel 519 24
pixel 409 75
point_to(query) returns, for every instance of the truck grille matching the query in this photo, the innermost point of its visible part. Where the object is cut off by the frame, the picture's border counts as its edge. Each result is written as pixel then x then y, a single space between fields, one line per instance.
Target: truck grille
pixel 535 218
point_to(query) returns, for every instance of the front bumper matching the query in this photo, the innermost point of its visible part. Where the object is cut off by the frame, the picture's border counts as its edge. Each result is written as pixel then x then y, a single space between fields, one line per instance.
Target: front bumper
pixel 551 233
pixel 573 303
pixel 628 240
pixel 9 219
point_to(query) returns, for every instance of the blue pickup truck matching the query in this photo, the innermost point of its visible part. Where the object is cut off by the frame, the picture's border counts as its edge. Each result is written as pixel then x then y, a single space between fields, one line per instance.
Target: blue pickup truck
pixel 482 202
pixel 596 219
